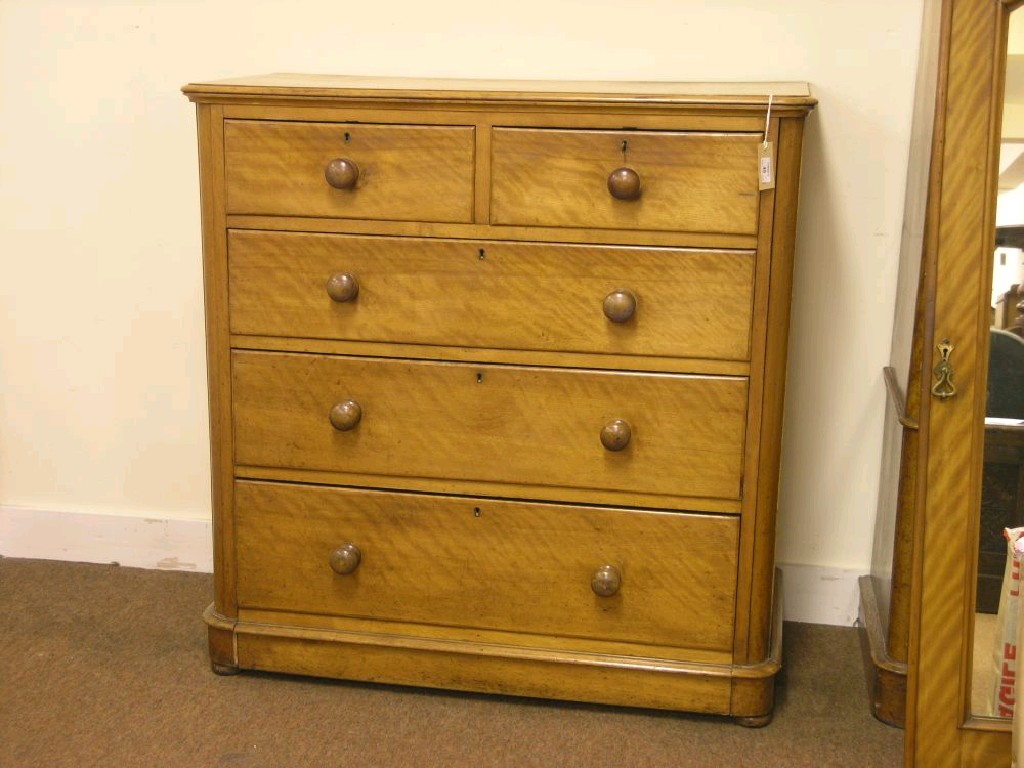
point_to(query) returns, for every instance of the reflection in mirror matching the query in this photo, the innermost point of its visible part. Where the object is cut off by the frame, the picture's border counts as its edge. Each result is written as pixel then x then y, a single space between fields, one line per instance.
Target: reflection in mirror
pixel 1002 497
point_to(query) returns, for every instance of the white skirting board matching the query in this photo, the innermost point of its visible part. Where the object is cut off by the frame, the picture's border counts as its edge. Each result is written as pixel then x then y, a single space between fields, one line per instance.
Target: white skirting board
pixel 815 594
pixel 85 537
pixel 811 594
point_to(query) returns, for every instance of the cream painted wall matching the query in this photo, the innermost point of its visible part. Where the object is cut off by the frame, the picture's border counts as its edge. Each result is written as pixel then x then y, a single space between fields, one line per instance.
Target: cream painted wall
pixel 102 407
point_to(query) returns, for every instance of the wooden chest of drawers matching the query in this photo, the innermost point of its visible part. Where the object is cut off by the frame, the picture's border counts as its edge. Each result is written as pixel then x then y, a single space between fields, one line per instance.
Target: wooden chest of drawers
pixel 496 379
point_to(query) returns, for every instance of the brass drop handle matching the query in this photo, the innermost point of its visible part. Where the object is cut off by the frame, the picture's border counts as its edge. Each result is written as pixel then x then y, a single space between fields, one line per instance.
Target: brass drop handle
pixel 944 386
pixel 345 559
pixel 615 434
pixel 342 173
pixel 346 415
pixel 606 581
pixel 624 184
pixel 342 287
pixel 619 306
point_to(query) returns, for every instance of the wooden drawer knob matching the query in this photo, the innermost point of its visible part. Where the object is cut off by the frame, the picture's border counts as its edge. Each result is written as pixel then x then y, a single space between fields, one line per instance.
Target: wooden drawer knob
pixel 346 415
pixel 619 306
pixel 615 434
pixel 342 173
pixel 606 581
pixel 346 559
pixel 343 287
pixel 624 184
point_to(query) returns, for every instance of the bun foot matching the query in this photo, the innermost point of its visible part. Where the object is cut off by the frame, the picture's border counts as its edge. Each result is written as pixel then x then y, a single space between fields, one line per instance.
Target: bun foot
pixel 760 721
pixel 224 669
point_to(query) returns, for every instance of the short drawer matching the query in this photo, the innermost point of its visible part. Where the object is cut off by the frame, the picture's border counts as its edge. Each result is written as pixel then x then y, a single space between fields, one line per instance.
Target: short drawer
pixel 601 299
pixel 692 182
pixel 525 427
pixel 664 578
pixel 359 171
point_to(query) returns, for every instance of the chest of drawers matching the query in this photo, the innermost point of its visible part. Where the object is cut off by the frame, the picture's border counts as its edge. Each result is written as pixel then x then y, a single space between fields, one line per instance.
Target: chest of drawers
pixel 496 378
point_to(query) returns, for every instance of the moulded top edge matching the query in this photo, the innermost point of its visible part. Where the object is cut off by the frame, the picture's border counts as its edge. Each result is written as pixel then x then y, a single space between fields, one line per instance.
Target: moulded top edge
pixel 414 89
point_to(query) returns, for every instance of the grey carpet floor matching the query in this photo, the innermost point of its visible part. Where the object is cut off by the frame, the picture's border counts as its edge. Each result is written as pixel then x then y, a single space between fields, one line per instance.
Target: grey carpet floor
pixel 106 666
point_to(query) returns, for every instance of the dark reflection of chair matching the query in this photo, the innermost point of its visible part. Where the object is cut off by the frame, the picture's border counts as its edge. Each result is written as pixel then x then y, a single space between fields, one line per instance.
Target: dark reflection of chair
pixel 1005 375
pixel 1002 482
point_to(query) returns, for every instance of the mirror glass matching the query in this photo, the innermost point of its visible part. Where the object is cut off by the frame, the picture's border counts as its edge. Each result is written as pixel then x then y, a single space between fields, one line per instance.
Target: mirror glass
pixel 1002 497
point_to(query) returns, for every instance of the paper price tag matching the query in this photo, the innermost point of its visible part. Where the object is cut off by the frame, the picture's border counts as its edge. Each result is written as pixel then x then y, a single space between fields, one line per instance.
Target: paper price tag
pixel 766 165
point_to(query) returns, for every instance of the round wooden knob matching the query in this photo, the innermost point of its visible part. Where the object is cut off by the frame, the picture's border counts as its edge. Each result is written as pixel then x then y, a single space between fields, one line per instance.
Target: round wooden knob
pixel 615 434
pixel 606 581
pixel 343 287
pixel 341 173
pixel 624 184
pixel 619 306
pixel 346 559
pixel 346 415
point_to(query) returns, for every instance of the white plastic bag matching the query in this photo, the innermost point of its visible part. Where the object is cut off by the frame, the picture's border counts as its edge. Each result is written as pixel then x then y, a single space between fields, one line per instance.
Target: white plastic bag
pixel 1004 651
pixel 1017 734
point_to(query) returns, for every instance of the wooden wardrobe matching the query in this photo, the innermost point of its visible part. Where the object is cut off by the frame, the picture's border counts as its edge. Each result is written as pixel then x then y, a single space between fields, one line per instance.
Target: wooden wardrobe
pixel 925 588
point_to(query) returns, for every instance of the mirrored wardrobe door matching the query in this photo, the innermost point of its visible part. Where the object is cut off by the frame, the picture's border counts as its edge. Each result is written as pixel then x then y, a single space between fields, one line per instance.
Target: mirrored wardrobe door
pixel 967 473
pixel 1001 507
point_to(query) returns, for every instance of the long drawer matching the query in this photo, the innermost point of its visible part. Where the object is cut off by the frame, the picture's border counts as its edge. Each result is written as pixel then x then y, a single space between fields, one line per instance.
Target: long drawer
pixel 694 182
pixel 528 427
pixel 630 301
pixel 349 170
pixel 663 578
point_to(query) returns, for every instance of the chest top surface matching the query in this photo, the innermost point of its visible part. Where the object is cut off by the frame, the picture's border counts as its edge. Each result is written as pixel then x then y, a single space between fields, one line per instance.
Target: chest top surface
pixel 785 96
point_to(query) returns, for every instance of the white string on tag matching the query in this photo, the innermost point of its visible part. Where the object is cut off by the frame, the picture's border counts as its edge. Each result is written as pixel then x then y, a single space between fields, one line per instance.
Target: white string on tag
pixel 765 154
